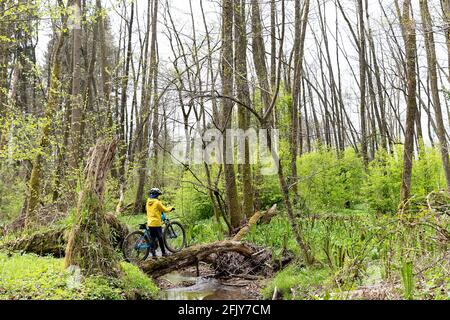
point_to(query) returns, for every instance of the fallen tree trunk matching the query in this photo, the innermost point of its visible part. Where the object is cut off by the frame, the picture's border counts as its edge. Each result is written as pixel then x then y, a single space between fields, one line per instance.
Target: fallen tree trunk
pixel 212 252
pixel 192 255
pixel 49 242
pixel 53 241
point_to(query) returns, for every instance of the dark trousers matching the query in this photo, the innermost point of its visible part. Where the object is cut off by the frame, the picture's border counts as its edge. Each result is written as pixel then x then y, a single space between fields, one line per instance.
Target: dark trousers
pixel 156 234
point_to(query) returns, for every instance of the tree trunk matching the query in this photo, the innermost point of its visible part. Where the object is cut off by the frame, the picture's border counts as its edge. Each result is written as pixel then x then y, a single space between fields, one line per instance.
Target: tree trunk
pixel 76 97
pixel 192 255
pixel 243 94
pixel 123 107
pixel 145 114
pixel 54 240
pixel 362 82
pixel 432 74
pixel 446 13
pixel 259 55
pixel 89 245
pixel 411 111
pixel 227 111
pixel 34 184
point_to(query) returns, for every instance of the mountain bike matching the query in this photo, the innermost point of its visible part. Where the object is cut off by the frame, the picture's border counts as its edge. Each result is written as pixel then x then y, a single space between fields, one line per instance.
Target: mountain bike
pixel 137 245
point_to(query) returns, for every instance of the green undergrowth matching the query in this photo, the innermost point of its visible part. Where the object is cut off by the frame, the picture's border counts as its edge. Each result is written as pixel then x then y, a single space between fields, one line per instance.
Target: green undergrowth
pixel 30 276
pixel 389 256
pixel 295 282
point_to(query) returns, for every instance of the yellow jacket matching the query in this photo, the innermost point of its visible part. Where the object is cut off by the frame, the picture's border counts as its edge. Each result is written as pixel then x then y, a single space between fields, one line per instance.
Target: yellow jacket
pixel 154 210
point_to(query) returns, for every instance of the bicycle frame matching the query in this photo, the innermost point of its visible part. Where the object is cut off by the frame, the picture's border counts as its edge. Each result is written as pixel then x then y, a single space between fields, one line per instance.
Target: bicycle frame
pixel 141 245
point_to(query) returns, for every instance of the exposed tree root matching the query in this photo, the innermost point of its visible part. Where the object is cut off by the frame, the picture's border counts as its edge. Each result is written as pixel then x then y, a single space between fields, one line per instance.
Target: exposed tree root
pixel 260 263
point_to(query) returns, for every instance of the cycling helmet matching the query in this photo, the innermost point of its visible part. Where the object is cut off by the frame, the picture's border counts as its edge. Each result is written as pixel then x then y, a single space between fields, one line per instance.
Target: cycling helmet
pixel 155 192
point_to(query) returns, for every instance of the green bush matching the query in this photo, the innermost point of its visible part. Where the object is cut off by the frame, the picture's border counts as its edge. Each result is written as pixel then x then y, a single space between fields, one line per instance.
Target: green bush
pixel 382 188
pixel 12 195
pixel 203 231
pixel 277 234
pixel 269 191
pixel 191 202
pixel 328 181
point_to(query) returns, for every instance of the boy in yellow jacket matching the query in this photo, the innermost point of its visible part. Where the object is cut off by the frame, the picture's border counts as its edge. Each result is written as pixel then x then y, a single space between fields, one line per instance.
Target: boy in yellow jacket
pixel 155 208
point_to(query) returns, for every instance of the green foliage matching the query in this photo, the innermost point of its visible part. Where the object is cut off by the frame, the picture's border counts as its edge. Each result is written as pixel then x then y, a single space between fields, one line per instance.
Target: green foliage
pixel 12 195
pixel 29 276
pixel 203 231
pixel 407 279
pixel 277 234
pixel 382 188
pixel 295 282
pixel 24 133
pixel 136 281
pixel 384 181
pixel 329 181
pixel 269 191
pixel 193 204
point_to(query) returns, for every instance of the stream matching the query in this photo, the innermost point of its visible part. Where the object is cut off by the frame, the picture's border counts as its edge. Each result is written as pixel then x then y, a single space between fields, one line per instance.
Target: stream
pixel 201 288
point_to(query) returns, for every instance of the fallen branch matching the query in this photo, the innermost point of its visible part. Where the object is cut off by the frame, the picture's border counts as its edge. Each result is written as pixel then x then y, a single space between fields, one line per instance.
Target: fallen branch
pixel 253 221
pixel 265 219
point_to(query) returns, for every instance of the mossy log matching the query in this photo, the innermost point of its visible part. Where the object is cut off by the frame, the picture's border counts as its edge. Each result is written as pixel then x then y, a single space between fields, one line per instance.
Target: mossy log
pixel 48 242
pixel 191 255
pixel 53 241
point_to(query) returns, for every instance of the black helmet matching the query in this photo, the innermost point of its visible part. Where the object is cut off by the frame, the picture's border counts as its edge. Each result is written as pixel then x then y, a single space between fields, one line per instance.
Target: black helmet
pixel 155 192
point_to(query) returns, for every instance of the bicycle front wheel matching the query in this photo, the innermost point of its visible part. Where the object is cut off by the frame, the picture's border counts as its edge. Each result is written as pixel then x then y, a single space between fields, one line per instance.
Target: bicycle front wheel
pixel 136 247
pixel 174 237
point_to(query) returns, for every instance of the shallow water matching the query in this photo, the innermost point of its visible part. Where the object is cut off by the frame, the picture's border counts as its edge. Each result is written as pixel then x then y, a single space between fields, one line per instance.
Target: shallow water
pixel 202 289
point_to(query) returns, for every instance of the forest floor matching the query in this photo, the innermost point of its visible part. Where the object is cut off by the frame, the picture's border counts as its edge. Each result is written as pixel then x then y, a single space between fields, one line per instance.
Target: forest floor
pixel 362 256
pixel 29 276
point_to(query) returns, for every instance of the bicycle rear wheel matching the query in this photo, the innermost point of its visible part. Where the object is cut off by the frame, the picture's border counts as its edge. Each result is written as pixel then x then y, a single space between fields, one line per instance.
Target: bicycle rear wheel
pixel 174 237
pixel 136 247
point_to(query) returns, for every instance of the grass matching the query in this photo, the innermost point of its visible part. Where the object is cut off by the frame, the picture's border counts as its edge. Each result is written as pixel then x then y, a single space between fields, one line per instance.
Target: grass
pixel 30 276
pixel 133 221
pixel 295 282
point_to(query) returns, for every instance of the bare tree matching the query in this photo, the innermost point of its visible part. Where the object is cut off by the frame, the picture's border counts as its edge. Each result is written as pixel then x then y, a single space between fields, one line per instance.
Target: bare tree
pixel 408 26
pixel 234 209
pixel 432 74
